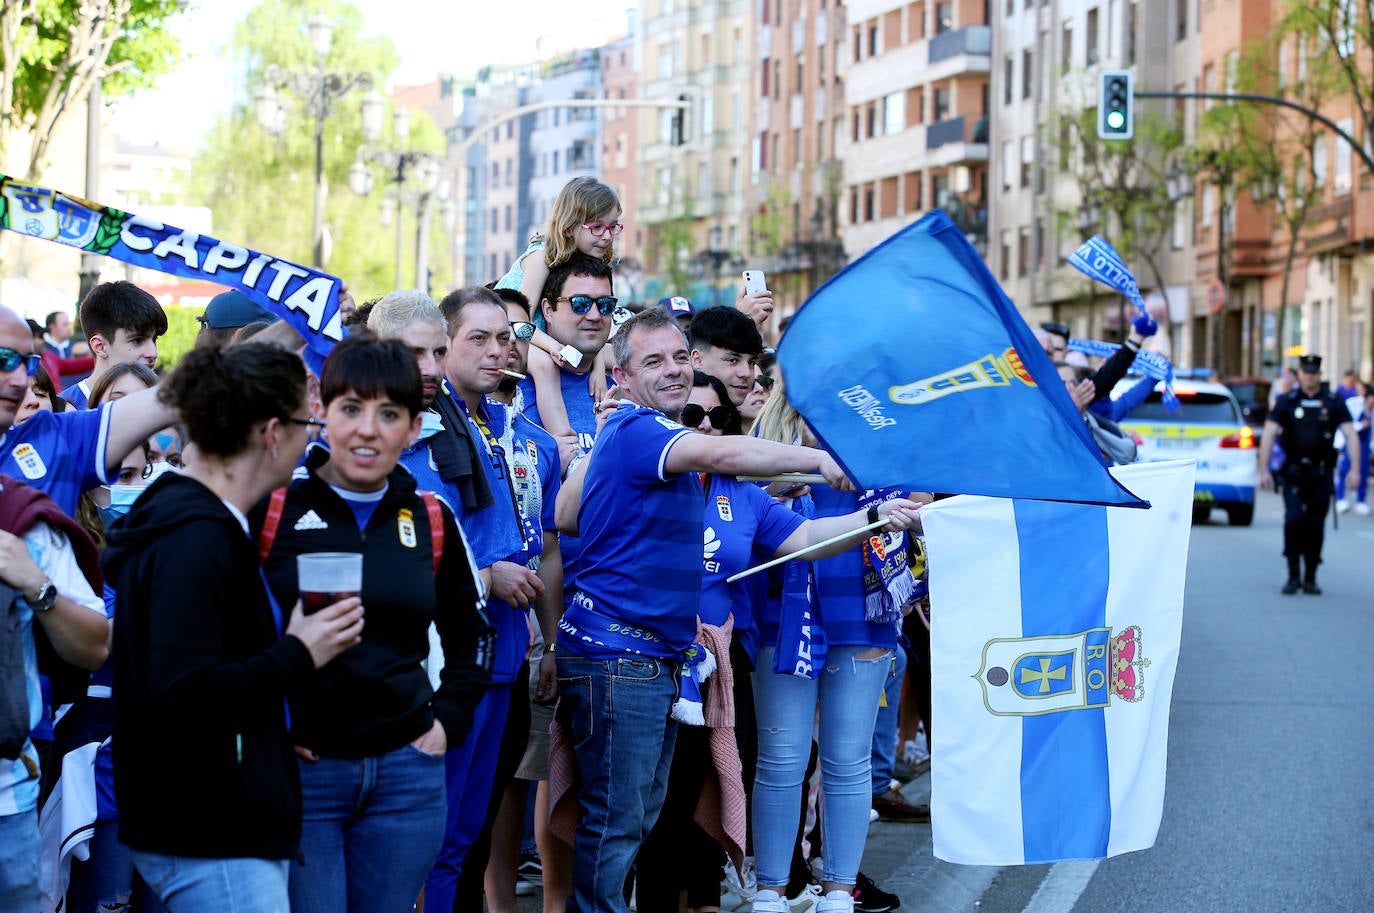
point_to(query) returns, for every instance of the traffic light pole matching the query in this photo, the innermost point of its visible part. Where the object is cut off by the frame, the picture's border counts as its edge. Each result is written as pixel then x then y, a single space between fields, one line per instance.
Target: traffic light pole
pixel 1361 151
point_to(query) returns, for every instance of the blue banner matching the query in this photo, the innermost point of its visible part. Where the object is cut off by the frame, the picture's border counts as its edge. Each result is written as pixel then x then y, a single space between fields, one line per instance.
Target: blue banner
pixel 305 298
pixel 1151 364
pixel 1097 259
pixel 915 370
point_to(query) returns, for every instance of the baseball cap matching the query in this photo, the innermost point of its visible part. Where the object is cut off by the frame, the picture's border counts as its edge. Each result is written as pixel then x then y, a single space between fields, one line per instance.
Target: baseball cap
pixel 230 310
pixel 1310 363
pixel 677 305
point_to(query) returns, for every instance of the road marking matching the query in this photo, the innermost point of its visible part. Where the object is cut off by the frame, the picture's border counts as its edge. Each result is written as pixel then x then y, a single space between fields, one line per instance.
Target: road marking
pixel 1062 887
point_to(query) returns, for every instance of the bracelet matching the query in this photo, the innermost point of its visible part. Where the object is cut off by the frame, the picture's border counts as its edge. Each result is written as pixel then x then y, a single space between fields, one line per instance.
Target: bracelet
pixel 550 646
pixel 873 515
pixel 1132 344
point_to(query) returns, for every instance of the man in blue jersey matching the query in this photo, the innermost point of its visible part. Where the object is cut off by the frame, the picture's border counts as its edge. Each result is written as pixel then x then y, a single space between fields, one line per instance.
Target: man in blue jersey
pixel 65 454
pixel 122 323
pixel 632 614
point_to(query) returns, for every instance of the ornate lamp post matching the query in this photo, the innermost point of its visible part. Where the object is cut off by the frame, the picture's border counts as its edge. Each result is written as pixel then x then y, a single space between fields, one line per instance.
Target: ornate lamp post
pixel 320 89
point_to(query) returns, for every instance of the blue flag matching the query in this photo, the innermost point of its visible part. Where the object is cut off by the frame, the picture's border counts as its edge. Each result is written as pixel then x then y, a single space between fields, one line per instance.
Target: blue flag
pixel 915 370
pixel 305 298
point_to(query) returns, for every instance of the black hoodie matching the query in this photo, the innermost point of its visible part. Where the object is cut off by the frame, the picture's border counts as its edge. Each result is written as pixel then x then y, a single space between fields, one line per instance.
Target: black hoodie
pixel 203 765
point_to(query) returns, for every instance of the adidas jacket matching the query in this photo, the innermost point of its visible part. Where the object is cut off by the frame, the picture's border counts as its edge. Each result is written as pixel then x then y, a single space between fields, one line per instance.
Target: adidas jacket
pixel 376 697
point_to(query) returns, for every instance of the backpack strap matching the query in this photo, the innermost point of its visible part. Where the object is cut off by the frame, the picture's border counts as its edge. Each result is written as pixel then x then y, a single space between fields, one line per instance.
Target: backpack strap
pixel 275 505
pixel 436 526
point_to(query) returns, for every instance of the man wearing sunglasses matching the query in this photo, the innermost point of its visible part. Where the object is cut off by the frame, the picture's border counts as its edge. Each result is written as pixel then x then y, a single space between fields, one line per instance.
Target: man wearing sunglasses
pixel 725 344
pixel 65 454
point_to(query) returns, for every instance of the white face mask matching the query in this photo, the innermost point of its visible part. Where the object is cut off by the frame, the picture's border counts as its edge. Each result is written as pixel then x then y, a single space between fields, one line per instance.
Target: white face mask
pixel 156 470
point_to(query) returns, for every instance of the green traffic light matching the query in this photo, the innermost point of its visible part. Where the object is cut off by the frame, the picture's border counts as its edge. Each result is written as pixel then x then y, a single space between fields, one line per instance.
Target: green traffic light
pixel 1116 120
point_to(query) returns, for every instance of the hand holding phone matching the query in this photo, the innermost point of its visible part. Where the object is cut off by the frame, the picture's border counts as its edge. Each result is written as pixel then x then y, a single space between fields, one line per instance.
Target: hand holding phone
pixel 754 281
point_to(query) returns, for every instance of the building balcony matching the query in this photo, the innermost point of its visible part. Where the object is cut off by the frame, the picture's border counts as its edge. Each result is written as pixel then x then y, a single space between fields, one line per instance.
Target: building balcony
pixel 957 140
pixel 975 40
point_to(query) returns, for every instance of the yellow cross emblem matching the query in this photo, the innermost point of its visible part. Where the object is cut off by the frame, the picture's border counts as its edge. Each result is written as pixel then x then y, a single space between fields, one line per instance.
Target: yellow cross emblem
pixel 1030 676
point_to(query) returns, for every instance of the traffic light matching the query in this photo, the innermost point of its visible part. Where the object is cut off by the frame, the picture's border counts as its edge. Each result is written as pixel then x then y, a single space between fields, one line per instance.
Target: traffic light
pixel 1115 104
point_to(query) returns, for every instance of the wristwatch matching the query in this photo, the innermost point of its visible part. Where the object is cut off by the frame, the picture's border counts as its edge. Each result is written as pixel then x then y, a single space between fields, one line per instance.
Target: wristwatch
pixel 550 646
pixel 45 599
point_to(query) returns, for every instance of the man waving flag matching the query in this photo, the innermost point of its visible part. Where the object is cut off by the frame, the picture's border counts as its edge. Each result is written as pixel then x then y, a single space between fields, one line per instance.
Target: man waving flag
pixel 915 370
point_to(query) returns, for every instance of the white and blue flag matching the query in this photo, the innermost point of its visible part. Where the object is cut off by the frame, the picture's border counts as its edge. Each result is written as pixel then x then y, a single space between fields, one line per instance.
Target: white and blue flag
pixel 1054 639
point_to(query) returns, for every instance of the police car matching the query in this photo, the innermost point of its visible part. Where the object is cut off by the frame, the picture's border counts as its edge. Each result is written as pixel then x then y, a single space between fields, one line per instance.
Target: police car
pixel 1207 427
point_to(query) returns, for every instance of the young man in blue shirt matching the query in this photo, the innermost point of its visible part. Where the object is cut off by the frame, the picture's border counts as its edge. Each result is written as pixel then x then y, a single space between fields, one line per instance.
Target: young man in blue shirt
pixel 122 323
pixel 636 500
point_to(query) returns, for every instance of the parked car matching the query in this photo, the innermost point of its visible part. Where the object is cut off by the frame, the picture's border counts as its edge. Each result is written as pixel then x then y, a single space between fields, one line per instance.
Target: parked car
pixel 1209 428
pixel 1253 395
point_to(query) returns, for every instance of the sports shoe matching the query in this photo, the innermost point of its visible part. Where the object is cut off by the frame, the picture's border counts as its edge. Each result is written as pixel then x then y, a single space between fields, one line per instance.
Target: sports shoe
pixel 746 886
pixel 1362 509
pixel 808 901
pixel 873 815
pixel 1342 506
pixel 836 902
pixel 770 902
pixel 531 868
pixel 893 806
pixel 524 888
pixel 869 898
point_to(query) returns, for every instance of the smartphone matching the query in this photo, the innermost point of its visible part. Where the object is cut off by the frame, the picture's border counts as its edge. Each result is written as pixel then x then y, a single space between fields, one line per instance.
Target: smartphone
pixel 754 281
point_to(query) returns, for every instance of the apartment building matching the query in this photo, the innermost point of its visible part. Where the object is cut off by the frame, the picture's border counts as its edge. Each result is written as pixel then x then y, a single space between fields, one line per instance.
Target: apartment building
pixel 798 130
pixel 916 81
pixel 564 143
pixel 691 195
pixel 504 173
pixel 619 146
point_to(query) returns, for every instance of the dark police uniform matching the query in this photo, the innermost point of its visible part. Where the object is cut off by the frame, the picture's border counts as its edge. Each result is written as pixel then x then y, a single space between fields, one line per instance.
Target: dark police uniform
pixel 1309 426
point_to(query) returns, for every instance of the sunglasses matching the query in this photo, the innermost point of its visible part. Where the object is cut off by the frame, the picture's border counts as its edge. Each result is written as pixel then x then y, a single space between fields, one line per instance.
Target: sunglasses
pixel 692 414
pixel 581 304
pixel 765 381
pixel 11 359
pixel 599 229
pixel 523 330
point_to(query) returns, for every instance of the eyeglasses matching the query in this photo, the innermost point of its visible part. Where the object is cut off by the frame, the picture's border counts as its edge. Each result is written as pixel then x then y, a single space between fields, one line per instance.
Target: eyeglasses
pixel 11 359
pixel 765 381
pixel 581 304
pixel 720 416
pixel 313 425
pixel 599 229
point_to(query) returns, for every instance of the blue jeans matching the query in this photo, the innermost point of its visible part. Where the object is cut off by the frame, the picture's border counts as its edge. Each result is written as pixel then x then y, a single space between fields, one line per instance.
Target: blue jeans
pixel 105 876
pixel 190 885
pixel 616 713
pixel 1343 469
pixel 370 829
pixel 885 729
pixel 19 863
pixel 848 689
pixel 469 771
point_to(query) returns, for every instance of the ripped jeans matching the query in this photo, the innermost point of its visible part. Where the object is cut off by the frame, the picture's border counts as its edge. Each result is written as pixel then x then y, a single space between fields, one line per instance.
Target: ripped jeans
pixel 848 690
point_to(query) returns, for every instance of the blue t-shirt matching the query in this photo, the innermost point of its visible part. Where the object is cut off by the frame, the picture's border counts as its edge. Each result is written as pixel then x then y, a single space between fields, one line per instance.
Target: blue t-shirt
pixel 840 583
pixel 641 533
pixel 362 503
pixel 577 400
pixel 62 454
pixel 742 522
pixel 78 394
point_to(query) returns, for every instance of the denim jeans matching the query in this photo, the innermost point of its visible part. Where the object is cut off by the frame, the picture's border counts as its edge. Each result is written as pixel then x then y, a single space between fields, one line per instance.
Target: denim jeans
pixel 370 829
pixel 848 690
pixel 885 729
pixel 190 885
pixel 469 771
pixel 105 876
pixel 19 863
pixel 616 713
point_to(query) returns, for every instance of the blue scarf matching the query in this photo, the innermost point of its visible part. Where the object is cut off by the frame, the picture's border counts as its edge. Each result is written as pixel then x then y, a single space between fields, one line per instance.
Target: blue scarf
pixel 888 584
pixel 1151 364
pixel 698 664
pixel 801 648
pixel 603 637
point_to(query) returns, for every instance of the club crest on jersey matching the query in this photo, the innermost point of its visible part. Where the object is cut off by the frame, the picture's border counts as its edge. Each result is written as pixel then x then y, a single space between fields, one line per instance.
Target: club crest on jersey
pixel 723 508
pixel 1032 676
pixel 30 463
pixel 533 450
pixel 989 371
pixel 405 527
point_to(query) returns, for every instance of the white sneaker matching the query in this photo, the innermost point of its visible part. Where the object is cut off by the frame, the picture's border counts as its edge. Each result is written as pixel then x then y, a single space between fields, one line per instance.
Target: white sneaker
pixel 1362 509
pixel 524 888
pixel 770 902
pixel 1342 506
pixel 746 886
pixel 873 815
pixel 836 902
pixel 808 901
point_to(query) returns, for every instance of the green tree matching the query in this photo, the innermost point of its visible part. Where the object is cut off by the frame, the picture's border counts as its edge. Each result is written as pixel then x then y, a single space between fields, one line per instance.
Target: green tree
pixel 52 52
pixel 261 187
pixel 1338 49
pixel 180 338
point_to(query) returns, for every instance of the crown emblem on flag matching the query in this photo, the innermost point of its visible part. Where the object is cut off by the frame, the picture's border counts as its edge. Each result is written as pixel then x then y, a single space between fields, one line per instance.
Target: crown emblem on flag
pixel 1128 666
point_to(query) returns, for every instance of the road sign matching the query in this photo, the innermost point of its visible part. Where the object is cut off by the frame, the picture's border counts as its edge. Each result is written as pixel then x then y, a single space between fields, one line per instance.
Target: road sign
pixel 1216 296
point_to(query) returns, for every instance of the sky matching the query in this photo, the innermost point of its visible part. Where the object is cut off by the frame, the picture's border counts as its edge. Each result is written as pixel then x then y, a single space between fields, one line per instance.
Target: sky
pixel 431 38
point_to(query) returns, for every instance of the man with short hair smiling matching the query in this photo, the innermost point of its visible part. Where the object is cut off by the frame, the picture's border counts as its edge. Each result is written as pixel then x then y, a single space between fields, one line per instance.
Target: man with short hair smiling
pixel 724 344
pixel 122 323
pixel 640 573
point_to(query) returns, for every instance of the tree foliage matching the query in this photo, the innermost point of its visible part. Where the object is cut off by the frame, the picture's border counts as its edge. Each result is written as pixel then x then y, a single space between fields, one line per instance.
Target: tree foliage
pixel 53 51
pixel 1338 39
pixel 261 187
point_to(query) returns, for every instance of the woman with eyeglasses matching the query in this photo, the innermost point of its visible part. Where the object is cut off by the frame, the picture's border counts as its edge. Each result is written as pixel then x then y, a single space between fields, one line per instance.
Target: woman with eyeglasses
pixel 742 526
pixel 765 373
pixel 205 777
pixel 369 729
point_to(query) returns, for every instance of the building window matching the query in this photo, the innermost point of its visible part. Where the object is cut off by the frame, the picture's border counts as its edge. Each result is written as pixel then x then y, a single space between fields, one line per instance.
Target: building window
pixel 507 223
pixel 764 70
pixel 1340 173
pixel 1027 72
pixel 894 113
pixel 858 44
pixel 941 106
pixel 1319 162
pixel 1004 260
pixel 1066 47
pixel 777 80
pixel 1008 165
pixel 944 17
pixel 871 111
pixel 1038 251
pixel 1091 36
pixel 1129 34
pixel 1181 29
pixel 1008 79
pixel 869 203
pixel 875 46
pixel 1023 250
pixel 1027 159
pixel 853 206
pixel 858 125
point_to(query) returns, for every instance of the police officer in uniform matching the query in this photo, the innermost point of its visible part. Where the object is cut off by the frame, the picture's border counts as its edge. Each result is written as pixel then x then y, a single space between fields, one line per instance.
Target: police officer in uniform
pixel 1304 421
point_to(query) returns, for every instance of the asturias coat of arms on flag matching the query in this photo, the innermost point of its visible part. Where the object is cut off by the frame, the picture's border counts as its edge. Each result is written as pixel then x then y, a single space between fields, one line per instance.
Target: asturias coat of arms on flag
pixel 1029 676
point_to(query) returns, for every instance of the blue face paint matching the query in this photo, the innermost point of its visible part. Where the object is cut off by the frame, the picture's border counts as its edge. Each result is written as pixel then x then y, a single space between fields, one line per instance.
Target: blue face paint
pixel 166 441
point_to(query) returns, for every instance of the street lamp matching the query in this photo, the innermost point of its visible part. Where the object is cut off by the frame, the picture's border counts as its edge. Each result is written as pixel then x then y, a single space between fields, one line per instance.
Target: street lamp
pixel 319 88
pixel 401 164
pixel 716 256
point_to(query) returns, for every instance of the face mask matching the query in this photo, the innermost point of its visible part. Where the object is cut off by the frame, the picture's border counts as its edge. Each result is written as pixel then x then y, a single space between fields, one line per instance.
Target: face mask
pixel 122 498
pixel 157 470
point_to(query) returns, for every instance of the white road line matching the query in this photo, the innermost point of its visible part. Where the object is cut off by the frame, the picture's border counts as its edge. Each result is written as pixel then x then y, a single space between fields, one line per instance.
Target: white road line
pixel 1062 887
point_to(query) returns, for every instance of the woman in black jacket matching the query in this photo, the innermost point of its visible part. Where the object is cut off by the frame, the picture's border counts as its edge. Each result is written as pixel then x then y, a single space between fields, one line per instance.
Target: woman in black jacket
pixel 206 782
pixel 370 730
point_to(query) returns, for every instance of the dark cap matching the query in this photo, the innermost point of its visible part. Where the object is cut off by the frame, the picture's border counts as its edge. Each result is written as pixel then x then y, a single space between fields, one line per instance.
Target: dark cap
pixel 230 310
pixel 35 327
pixel 1057 329
pixel 1310 363
pixel 677 305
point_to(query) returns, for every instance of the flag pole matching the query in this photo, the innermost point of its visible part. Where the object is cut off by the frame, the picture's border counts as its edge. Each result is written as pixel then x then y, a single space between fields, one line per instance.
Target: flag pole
pixel 806 551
